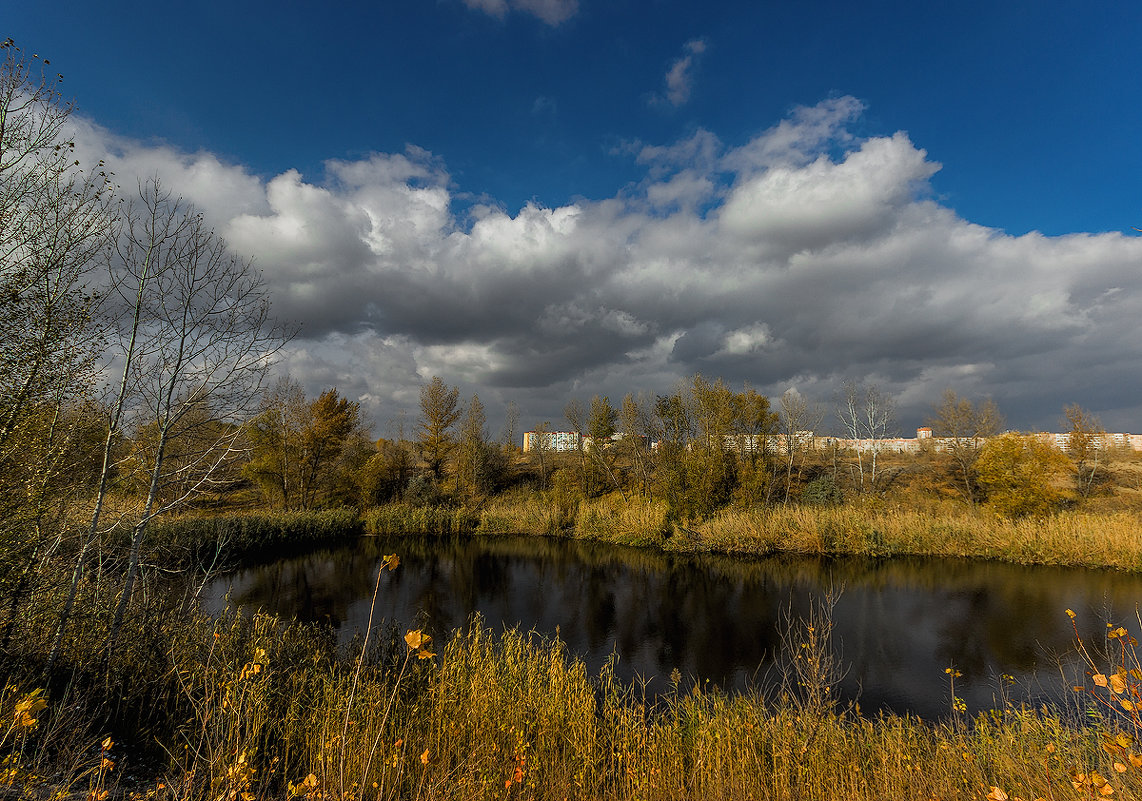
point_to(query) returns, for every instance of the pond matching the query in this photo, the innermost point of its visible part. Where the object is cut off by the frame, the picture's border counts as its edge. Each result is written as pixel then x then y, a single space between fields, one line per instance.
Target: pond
pixel 899 623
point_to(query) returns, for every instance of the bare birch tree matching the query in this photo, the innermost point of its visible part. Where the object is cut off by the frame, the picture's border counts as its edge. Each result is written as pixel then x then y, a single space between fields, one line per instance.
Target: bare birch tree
pixel 194 345
pixel 797 419
pixel 208 344
pixel 868 416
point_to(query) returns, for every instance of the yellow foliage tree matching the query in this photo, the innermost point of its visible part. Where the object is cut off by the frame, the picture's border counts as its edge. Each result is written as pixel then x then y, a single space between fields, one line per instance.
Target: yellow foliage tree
pixel 1019 475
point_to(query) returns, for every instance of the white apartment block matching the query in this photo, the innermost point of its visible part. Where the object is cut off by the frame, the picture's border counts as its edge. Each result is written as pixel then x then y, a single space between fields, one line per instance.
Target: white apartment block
pixel 567 441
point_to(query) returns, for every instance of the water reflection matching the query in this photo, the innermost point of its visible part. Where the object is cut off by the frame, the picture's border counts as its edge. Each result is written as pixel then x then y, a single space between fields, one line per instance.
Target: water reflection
pixel 717 618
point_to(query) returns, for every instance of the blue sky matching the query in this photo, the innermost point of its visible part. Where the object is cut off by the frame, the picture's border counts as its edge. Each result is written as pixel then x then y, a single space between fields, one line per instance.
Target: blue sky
pixel 640 119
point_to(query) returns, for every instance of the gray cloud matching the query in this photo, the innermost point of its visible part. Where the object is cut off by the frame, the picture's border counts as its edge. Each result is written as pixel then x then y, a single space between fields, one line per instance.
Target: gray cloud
pixel 552 12
pixel 679 78
pixel 802 258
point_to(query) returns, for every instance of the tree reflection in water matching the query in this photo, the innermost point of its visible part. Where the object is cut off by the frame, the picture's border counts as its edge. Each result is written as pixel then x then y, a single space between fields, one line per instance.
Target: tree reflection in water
pixel 900 622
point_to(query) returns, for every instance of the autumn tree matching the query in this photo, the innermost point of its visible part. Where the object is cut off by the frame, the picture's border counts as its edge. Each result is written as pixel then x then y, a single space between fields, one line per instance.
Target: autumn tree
pixel 479 464
pixel 1086 441
pixel 439 411
pixel 541 448
pixel 304 452
pixel 1020 475
pixel 274 463
pixel 54 221
pixel 673 419
pixel 385 475
pixel 601 422
pixel 964 427
pixel 752 425
pixel 330 445
pixel 711 407
pixel 695 471
pixel 511 427
pixel 636 423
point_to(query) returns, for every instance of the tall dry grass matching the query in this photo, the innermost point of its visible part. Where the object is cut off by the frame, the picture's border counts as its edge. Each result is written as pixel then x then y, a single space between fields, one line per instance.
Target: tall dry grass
pixel 1111 540
pixel 259 708
pixel 1098 539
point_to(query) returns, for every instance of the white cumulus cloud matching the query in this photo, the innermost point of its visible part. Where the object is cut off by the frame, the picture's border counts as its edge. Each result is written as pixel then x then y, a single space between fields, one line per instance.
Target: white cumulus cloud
pixel 806 256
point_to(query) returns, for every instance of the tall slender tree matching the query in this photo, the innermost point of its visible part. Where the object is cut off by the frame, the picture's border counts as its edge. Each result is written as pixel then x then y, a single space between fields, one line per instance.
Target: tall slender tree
pixel 472 447
pixel 439 411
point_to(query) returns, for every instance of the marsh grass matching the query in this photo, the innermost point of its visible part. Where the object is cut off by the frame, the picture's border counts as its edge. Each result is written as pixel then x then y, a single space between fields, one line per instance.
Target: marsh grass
pixel 948 529
pixel 1079 539
pixel 201 540
pixel 242 708
pixel 633 522
pixel 405 518
pixel 525 513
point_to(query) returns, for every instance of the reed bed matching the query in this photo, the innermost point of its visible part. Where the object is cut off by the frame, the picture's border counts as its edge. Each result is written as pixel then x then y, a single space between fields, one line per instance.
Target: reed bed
pixel 1073 538
pixel 1111 540
pixel 633 522
pixel 259 708
pixel 405 518
pixel 513 513
pixel 198 539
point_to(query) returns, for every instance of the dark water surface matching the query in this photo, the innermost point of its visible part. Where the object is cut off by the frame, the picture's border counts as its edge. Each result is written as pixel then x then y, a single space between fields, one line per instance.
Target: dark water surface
pixel 899 623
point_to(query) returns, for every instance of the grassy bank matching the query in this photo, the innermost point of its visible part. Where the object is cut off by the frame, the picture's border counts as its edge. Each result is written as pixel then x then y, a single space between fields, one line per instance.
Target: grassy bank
pixel 1076 538
pixel 241 709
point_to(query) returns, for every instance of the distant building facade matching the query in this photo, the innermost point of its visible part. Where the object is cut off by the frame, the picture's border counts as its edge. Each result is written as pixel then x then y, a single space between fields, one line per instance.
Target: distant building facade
pixel 567 441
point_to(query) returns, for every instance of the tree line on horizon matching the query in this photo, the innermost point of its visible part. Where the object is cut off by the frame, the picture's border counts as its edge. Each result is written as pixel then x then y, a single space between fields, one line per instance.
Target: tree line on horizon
pixel 714 447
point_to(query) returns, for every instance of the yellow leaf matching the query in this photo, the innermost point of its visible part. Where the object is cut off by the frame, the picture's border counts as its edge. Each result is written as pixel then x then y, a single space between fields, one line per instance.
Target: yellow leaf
pixel 1099 679
pixel 1117 684
pixel 417 639
pixel 1124 739
pixel 1070 614
pixel 1106 790
pixel 390 561
pixel 424 757
pixel 1127 705
pixel 1136 760
pixel 28 707
pixel 997 795
pixel 1118 766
